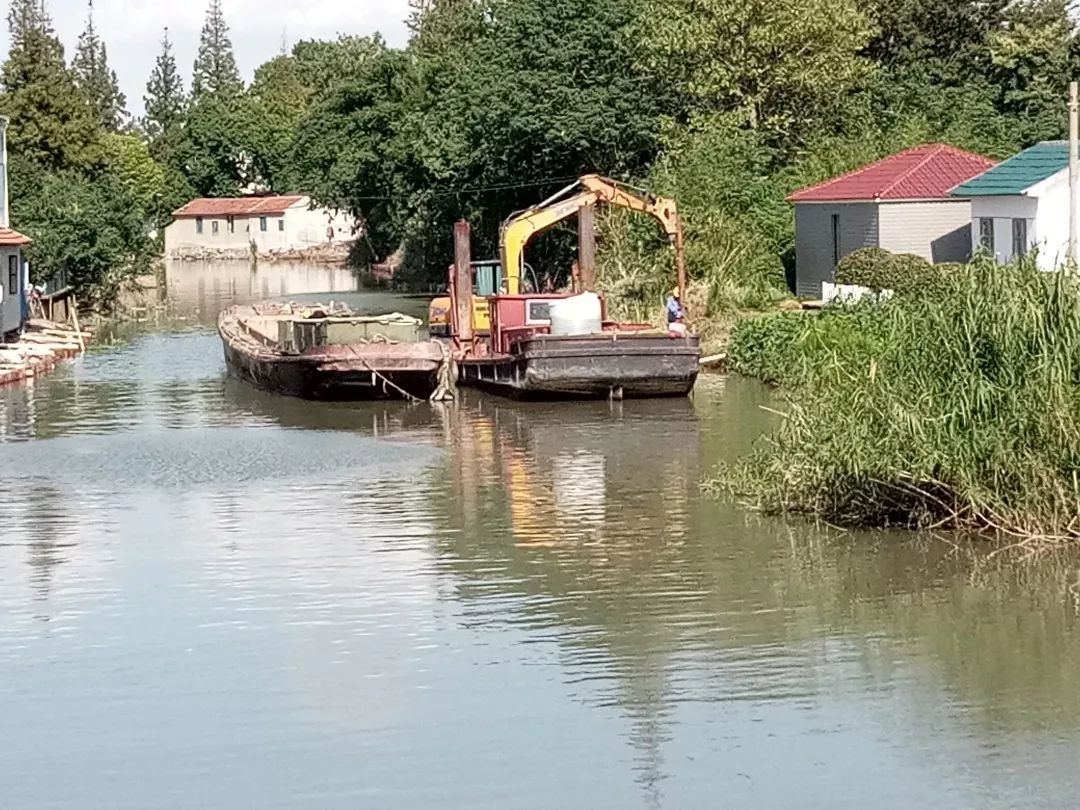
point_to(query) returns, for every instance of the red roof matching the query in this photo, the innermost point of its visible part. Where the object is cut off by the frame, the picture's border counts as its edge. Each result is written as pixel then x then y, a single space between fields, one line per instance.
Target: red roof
pixel 923 173
pixel 237 206
pixel 10 238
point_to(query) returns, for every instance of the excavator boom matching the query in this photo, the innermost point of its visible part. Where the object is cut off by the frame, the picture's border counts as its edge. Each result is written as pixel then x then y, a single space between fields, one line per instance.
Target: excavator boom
pixel 592 190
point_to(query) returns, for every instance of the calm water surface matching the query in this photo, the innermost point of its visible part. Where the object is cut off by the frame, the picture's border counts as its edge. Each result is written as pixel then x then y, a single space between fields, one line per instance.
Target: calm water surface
pixel 212 597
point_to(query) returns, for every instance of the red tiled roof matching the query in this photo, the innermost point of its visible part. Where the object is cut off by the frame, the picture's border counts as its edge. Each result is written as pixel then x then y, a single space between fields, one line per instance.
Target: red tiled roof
pixel 923 173
pixel 236 206
pixel 10 238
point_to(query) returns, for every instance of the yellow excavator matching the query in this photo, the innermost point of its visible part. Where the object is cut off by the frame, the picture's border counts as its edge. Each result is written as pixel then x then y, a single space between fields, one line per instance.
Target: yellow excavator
pixel 508 275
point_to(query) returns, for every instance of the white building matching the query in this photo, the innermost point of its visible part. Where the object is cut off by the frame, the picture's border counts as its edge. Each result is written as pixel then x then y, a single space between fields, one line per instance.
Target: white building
pixel 1022 205
pixel 270 224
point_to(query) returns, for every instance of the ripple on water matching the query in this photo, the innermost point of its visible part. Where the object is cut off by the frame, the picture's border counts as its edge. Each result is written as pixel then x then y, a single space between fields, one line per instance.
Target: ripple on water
pixel 208 458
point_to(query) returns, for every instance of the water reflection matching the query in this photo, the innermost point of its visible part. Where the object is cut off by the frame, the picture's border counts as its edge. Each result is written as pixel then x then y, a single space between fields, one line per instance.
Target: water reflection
pixel 487 604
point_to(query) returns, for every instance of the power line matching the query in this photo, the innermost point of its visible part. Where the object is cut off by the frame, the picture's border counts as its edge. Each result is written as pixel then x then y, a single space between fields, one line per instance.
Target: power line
pixel 483 189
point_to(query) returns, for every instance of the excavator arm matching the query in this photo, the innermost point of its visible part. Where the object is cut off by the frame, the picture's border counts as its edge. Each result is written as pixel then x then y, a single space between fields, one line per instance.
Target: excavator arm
pixel 592 189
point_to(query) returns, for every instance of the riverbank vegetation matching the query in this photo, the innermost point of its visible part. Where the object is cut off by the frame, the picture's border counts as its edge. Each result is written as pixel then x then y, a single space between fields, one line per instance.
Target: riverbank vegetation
pixel 958 409
pixel 492 105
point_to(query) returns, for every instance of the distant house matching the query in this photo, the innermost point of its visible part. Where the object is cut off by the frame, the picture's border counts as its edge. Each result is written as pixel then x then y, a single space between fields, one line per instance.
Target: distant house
pixel 14 282
pixel 1021 205
pixel 902 204
pixel 271 224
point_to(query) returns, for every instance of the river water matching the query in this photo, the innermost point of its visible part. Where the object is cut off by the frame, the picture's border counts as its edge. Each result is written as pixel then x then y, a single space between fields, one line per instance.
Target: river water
pixel 213 597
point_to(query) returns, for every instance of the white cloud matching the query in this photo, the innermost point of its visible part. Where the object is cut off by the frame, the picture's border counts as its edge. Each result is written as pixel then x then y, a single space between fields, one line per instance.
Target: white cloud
pixel 132 29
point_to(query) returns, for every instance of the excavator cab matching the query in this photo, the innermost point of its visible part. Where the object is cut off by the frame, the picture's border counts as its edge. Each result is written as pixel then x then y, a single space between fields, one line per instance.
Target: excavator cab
pixel 488 280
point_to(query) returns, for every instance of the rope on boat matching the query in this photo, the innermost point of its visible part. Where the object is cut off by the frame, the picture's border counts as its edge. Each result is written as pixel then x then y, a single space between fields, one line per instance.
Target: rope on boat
pixel 447 375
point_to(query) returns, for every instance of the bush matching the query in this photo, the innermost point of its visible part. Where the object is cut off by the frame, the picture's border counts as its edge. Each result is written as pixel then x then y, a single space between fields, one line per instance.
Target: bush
pixel 959 411
pixel 783 347
pixel 903 274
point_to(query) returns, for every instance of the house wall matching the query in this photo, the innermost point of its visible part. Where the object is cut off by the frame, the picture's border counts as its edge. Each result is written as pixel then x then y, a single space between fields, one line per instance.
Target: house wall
pixel 814 249
pixel 11 300
pixel 1042 231
pixel 937 230
pixel 301 228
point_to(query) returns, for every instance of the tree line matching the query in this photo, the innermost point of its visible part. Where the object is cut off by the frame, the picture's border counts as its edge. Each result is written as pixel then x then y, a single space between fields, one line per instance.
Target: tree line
pixel 493 104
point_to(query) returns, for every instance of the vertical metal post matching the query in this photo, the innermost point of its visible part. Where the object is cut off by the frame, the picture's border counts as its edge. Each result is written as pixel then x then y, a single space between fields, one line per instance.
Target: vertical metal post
pixel 1074 165
pixel 463 286
pixel 587 247
pixel 680 260
pixel 5 214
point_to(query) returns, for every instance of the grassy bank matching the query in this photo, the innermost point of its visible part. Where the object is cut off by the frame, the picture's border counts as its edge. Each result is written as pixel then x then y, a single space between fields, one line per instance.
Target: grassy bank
pixel 959 409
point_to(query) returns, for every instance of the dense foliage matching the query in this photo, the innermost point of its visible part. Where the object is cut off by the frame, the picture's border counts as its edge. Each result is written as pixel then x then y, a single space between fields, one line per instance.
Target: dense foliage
pixel 961 410
pixel 495 104
pixel 903 274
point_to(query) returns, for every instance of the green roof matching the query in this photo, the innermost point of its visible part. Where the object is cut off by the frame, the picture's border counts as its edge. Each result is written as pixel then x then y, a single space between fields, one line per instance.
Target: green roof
pixel 1019 173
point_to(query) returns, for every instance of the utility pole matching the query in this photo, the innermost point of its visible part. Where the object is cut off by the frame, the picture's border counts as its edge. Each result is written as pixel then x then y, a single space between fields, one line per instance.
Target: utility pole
pixel 1074 166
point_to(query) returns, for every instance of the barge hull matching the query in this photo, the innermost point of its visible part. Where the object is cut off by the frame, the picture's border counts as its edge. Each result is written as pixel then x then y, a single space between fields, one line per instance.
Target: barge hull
pixel 605 366
pixel 376 369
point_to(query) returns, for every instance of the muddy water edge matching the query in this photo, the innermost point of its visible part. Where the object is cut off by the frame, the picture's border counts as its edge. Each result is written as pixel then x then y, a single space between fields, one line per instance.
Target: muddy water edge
pixel 214 597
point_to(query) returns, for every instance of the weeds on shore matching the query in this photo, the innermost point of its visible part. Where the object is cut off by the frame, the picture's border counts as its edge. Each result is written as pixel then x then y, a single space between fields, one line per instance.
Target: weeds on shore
pixel 957 410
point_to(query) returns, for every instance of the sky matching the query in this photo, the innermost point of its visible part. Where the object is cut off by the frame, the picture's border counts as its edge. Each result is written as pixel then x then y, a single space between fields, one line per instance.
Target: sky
pixel 132 30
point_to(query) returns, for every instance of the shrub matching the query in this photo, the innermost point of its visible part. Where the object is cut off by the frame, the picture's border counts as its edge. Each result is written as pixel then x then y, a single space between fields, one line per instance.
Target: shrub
pixel 960 411
pixel 904 273
pixel 782 347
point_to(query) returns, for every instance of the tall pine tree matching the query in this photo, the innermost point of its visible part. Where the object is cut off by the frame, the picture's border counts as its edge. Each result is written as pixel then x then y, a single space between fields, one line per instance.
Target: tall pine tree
pixel 97 81
pixel 164 100
pixel 216 73
pixel 51 124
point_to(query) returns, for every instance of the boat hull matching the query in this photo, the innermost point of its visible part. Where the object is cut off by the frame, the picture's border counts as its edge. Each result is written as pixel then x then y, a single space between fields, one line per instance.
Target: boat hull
pixel 367 371
pixel 610 365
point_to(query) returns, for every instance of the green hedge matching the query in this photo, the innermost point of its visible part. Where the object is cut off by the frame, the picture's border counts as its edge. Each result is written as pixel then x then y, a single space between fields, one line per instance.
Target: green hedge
pixel 903 273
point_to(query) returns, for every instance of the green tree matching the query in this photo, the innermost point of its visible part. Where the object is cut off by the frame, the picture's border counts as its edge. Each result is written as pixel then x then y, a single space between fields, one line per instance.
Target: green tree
pixel 90 226
pixel 97 81
pixel 215 64
pixel 128 158
pixel 166 104
pixel 779 66
pixel 325 66
pixel 1031 58
pixel 51 124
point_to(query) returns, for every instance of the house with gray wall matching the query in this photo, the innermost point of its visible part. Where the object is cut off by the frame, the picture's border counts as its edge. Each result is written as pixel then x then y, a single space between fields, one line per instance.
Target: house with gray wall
pixel 14 278
pixel 902 204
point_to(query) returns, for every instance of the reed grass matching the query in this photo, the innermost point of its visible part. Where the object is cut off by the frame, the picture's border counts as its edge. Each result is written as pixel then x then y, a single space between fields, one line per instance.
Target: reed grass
pixel 955 410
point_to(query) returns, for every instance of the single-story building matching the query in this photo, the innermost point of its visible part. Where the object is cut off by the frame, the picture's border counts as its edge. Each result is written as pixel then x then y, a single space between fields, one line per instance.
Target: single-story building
pixel 271 224
pixel 1022 205
pixel 902 204
pixel 14 282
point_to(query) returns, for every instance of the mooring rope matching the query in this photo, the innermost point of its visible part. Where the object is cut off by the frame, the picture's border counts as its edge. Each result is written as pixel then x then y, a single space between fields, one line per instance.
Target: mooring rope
pixel 447 375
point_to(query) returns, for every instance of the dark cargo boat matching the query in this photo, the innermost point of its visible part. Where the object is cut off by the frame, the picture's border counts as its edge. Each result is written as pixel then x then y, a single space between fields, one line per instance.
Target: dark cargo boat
pixel 322 353
pixel 620 361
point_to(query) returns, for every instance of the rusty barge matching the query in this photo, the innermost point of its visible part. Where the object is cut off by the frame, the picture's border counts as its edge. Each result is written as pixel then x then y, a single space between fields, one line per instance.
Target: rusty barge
pixel 318 352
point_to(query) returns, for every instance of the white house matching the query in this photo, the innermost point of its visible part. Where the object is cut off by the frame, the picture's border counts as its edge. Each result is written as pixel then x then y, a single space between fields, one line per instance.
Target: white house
pixel 267 224
pixel 1022 205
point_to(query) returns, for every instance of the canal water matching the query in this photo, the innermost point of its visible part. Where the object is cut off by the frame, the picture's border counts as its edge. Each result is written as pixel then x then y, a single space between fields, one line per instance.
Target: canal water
pixel 213 597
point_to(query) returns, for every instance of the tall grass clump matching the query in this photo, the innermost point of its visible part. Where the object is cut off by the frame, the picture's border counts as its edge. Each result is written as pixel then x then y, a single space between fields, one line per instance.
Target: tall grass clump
pixel 962 412
pixel 788 347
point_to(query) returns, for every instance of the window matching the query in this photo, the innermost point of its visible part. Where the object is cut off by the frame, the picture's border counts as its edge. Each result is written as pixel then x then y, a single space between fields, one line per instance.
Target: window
pixel 986 234
pixel 281 224
pixel 198 224
pixel 231 221
pixel 835 239
pixel 13 274
pixel 262 224
pixel 1020 240
pixel 214 227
